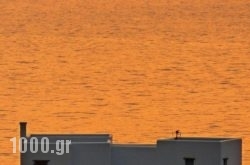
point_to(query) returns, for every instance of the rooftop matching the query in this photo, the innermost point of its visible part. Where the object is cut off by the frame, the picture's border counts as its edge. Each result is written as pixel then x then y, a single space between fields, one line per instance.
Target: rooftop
pixel 198 139
pixel 71 135
pixel 75 137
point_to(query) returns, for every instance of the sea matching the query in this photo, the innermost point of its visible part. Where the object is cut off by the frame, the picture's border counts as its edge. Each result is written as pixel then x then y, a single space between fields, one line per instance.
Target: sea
pixel 137 69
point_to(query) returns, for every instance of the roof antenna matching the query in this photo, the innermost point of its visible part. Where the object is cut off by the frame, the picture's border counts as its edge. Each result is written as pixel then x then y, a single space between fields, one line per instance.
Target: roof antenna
pixel 177 134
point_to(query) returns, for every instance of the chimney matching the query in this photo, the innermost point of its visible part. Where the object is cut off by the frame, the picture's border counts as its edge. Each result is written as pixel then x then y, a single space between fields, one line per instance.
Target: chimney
pixel 23 129
pixel 22 134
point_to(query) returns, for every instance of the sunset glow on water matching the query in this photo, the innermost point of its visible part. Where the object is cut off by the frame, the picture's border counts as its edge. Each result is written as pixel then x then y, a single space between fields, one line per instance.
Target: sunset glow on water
pixel 138 70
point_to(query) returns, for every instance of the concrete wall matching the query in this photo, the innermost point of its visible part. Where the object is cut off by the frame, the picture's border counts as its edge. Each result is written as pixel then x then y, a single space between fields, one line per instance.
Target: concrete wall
pixel 232 149
pixel 79 154
pixel 90 154
pixel 133 155
pixel 173 152
pixel 53 157
pixel 166 152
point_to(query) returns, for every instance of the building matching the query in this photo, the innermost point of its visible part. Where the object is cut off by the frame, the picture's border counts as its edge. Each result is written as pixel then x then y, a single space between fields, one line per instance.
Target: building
pixel 98 149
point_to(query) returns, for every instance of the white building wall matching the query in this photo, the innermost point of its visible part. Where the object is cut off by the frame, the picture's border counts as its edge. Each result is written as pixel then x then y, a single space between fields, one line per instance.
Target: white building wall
pixel 87 153
pixel 133 155
pixel 173 152
pixel 90 154
pixel 232 149
pixel 166 152
pixel 53 158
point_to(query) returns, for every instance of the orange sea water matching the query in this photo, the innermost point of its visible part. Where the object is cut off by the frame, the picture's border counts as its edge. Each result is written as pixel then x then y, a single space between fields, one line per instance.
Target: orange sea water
pixel 136 69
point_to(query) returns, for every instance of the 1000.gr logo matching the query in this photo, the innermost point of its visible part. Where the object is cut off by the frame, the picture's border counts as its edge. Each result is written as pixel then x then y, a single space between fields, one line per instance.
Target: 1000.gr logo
pixel 61 146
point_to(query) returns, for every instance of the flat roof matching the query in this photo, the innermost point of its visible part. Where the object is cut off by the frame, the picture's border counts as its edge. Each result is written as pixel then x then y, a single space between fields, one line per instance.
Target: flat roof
pixel 200 139
pixel 75 137
pixel 134 145
pixel 64 135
